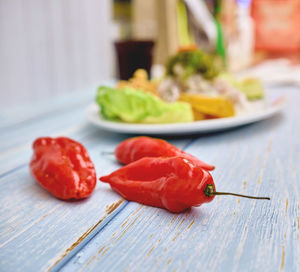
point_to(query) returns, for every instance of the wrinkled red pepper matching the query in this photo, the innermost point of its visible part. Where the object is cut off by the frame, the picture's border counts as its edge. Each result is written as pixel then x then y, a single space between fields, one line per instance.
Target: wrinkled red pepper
pixel 174 183
pixel 63 167
pixel 136 148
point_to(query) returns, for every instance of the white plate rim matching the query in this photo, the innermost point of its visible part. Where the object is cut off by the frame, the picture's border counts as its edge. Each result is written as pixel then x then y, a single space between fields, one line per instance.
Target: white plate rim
pixel 203 126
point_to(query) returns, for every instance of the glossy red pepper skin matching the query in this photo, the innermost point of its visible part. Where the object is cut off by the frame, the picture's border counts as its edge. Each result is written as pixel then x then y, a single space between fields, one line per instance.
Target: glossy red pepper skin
pixel 136 148
pixel 174 183
pixel 63 167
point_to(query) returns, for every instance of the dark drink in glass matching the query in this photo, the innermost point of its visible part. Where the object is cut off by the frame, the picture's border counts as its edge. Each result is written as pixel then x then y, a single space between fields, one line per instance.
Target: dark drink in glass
pixel 132 55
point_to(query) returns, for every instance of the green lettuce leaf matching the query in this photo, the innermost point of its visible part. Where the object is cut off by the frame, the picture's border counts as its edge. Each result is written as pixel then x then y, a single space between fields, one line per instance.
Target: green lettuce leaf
pixel 134 106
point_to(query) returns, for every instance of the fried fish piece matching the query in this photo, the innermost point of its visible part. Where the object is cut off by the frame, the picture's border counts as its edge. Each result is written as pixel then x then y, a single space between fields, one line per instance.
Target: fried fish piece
pixel 214 106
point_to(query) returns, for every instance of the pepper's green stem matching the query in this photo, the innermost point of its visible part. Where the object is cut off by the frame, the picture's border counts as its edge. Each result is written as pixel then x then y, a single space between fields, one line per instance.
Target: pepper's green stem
pixel 209 191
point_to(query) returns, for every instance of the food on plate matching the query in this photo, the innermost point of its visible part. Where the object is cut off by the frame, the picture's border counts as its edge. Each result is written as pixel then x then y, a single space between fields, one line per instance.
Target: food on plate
pixel 134 106
pixel 136 148
pixel 214 106
pixel 197 73
pixel 173 183
pixel 198 116
pixel 139 81
pixel 190 62
pixel 251 87
pixel 192 76
pixel 63 167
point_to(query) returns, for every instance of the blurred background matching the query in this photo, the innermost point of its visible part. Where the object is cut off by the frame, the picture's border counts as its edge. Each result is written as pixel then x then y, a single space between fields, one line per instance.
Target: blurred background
pixel 49 47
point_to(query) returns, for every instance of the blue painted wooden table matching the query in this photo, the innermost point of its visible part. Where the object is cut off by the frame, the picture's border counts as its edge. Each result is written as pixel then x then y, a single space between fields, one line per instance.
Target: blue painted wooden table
pixel 107 233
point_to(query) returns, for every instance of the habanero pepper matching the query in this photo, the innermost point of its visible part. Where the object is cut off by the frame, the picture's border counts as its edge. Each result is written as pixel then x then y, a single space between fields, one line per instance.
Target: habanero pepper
pixel 63 167
pixel 174 183
pixel 136 148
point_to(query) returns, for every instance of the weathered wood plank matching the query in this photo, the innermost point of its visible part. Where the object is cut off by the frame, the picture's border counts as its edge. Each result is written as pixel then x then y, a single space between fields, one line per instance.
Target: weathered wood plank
pixel 37 231
pixel 19 124
pixel 228 234
pixel 31 219
pixel 65 115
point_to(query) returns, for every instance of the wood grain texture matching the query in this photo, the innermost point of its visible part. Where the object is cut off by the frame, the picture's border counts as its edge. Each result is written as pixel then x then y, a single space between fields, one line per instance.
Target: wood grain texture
pixel 37 231
pixel 47 228
pixel 229 234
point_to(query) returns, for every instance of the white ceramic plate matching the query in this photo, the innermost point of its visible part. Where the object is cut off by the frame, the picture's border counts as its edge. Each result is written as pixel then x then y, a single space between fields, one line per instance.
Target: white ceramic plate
pixel 271 107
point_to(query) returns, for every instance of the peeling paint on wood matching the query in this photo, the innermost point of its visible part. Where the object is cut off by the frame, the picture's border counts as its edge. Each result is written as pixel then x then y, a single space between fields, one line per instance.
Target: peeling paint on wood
pixel 172 220
pixel 150 251
pixel 113 206
pixel 282 259
pixel 190 225
pixel 129 226
pixel 256 235
pixel 133 214
pixel 259 180
pixel 100 250
pixel 109 210
pixel 237 235
pixel 177 234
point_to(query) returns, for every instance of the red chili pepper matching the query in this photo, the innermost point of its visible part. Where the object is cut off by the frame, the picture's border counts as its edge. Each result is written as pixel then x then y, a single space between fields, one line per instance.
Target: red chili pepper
pixel 136 148
pixel 63 167
pixel 174 183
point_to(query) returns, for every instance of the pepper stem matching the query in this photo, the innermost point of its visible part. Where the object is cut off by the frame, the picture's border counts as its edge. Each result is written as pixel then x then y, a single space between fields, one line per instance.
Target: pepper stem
pixel 209 191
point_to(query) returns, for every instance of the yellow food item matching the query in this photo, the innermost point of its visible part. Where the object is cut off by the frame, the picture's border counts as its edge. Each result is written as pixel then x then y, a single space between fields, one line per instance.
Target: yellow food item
pixel 217 106
pixel 198 115
pixel 139 81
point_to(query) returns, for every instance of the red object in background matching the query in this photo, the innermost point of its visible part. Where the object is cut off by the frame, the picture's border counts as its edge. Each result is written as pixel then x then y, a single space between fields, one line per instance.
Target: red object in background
pixel 175 184
pixel 63 167
pixel 137 148
pixel 277 25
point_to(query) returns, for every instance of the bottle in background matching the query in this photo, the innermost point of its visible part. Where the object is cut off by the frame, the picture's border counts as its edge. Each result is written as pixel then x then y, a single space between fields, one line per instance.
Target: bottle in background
pixel 240 42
